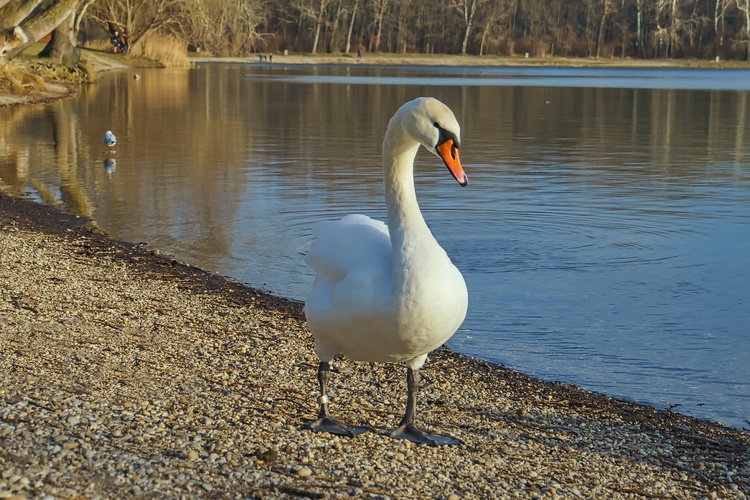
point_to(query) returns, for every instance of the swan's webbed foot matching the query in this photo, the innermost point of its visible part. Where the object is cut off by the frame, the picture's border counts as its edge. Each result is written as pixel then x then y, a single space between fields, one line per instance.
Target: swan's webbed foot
pixel 414 434
pixel 331 426
pixel 325 423
pixel 407 430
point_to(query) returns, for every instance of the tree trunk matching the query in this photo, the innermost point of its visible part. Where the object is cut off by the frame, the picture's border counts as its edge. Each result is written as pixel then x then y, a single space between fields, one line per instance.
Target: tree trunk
pixel 61 48
pixel 744 6
pixel 382 5
pixel 318 25
pixel 351 27
pixel 469 11
pixel 15 11
pixel 16 40
pixel 672 30
pixel 600 36
pixel 333 45
pixel 485 32
pixel 639 29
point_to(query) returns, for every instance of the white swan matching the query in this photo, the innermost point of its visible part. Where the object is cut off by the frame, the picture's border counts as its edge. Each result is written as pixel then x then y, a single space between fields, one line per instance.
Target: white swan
pixel 389 293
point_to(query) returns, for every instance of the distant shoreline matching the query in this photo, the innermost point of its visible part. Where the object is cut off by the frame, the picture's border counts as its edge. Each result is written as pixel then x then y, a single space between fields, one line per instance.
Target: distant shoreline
pixel 99 62
pixel 458 60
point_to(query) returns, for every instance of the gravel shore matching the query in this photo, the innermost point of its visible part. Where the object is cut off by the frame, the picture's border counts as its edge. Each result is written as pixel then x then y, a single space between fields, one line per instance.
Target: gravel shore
pixel 125 373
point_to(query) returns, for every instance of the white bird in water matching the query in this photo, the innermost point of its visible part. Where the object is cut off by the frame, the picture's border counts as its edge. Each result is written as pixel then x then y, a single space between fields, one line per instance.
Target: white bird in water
pixel 109 139
pixel 389 293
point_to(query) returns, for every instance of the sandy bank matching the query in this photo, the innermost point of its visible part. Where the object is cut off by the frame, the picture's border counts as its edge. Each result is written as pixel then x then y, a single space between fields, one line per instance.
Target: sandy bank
pixel 459 60
pixel 96 62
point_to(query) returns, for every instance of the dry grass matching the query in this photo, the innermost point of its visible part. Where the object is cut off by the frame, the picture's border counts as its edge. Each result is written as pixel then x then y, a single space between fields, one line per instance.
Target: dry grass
pixel 17 79
pixel 167 50
pixel 27 74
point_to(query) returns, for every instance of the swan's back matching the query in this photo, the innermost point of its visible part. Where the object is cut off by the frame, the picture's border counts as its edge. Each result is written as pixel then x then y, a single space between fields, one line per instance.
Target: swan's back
pixel 342 246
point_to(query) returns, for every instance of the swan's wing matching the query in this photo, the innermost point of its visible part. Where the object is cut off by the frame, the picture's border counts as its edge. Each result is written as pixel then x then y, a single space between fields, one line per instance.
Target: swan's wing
pixel 353 244
pixel 352 261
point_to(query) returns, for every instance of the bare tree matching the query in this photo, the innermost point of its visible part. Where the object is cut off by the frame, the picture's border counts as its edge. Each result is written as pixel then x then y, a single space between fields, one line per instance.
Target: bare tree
pixel 319 20
pixel 19 31
pixel 493 18
pixel 140 18
pixel 607 7
pixel 720 10
pixel 351 26
pixel 380 7
pixel 668 25
pixel 13 12
pixel 645 28
pixel 62 44
pixel 333 45
pixel 467 9
pixel 640 39
pixel 224 27
pixel 744 39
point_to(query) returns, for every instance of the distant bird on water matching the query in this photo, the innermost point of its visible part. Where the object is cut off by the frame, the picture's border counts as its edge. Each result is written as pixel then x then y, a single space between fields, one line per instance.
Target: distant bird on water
pixel 109 139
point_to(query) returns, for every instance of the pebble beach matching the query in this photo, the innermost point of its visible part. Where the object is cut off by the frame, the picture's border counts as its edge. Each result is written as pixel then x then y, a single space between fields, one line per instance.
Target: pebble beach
pixel 125 373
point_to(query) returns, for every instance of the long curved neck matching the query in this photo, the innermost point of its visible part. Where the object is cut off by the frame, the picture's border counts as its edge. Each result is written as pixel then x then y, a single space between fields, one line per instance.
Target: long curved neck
pixel 405 222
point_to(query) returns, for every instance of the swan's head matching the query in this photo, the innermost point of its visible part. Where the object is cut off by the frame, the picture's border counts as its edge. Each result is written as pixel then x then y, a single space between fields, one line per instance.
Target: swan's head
pixel 434 126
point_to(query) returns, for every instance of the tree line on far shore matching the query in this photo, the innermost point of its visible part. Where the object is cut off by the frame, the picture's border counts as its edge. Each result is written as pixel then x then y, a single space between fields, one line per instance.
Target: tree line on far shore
pixel 572 28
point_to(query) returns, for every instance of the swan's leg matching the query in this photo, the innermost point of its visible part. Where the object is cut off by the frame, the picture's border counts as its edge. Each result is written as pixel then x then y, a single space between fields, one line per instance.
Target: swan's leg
pixel 325 423
pixel 407 430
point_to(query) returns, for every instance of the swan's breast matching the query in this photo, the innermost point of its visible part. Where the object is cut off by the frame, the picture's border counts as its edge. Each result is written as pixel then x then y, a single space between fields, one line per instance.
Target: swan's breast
pixel 433 299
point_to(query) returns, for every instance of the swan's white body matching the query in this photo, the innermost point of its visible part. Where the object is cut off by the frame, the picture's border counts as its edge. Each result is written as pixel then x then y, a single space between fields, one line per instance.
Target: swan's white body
pixel 389 293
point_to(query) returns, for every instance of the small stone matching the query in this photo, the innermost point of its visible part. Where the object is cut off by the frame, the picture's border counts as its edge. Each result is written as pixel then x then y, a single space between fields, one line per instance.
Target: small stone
pixel 192 455
pixel 305 472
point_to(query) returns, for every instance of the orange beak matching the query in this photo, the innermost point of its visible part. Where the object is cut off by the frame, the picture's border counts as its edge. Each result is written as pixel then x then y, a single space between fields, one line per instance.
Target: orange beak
pixel 449 153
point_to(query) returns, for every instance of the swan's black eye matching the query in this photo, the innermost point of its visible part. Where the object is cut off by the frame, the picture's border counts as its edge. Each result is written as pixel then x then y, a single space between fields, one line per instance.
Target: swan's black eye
pixel 445 135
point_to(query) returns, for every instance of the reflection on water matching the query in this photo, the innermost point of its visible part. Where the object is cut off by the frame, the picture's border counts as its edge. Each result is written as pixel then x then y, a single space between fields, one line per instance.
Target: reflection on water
pixel 604 236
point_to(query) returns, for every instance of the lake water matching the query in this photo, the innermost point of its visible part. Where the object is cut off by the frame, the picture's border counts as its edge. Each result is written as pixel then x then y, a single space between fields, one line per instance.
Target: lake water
pixel 604 234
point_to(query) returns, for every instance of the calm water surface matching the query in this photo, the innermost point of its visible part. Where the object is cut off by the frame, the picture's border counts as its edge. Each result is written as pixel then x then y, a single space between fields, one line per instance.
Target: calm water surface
pixel 604 234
